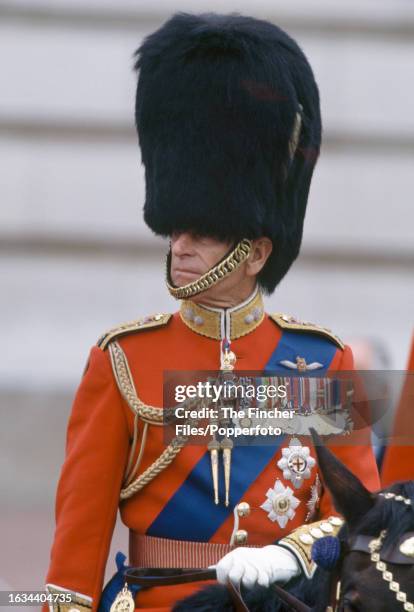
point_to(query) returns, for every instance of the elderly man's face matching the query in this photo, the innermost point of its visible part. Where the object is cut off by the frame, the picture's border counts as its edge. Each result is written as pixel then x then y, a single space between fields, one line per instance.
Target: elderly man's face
pixel 192 256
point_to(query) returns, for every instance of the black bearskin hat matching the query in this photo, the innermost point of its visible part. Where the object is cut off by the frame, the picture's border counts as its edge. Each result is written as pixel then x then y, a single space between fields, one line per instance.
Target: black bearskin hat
pixel 217 103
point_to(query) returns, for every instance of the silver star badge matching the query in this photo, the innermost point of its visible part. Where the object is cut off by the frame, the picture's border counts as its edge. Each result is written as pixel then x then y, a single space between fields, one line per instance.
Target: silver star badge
pixel 296 463
pixel 280 504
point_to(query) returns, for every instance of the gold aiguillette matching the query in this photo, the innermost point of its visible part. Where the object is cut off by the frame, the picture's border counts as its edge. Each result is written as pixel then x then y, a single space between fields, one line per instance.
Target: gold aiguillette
pixel 226 446
pixel 214 447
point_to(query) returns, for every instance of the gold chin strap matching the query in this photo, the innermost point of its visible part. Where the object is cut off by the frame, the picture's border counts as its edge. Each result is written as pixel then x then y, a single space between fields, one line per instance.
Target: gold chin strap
pixel 221 270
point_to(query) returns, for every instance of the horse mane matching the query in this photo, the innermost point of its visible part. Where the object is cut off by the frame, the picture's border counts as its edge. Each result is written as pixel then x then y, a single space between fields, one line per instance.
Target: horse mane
pixel 393 515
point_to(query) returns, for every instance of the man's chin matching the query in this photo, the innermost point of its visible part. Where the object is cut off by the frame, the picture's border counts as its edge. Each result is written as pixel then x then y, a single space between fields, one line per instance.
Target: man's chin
pixel 180 279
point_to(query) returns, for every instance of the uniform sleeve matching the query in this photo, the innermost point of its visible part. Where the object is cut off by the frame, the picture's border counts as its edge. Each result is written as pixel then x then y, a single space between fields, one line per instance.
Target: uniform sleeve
pixel 89 486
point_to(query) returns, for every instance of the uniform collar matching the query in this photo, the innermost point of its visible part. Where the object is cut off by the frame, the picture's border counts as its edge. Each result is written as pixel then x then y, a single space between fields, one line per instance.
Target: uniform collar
pixel 220 323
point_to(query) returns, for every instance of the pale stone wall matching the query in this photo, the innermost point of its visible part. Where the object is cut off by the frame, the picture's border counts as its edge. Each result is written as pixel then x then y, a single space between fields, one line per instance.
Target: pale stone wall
pixel 76 257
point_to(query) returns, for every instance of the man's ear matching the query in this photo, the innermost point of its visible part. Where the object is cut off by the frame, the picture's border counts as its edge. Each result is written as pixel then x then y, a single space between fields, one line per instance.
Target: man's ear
pixel 261 249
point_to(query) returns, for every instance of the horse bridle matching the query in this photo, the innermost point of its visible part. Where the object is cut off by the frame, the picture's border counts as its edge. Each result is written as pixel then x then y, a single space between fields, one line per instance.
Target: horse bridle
pixel 373 546
pixel 146 578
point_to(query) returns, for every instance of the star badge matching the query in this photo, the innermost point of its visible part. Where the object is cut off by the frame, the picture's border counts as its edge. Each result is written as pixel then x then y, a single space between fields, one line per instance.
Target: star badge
pixel 296 463
pixel 280 504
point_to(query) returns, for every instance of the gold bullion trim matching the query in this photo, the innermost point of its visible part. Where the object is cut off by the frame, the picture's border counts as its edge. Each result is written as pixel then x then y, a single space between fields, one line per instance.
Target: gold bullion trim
pixel 207 322
pixel 131 327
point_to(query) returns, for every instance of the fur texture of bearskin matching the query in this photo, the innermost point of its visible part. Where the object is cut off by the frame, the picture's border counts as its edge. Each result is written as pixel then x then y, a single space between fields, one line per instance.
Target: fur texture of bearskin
pixel 216 102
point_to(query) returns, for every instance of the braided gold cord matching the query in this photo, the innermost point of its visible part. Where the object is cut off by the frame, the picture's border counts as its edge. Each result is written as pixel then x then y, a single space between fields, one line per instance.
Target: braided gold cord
pixel 130 475
pixel 148 414
pixel 129 471
pixel 238 255
pixel 163 461
pixel 120 366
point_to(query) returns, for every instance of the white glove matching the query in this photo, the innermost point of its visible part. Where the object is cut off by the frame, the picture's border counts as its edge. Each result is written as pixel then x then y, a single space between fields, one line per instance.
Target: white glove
pixel 258 565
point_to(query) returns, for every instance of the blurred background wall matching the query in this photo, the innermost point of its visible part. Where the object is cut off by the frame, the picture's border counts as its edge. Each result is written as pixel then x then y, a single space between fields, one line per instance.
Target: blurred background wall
pixel 77 258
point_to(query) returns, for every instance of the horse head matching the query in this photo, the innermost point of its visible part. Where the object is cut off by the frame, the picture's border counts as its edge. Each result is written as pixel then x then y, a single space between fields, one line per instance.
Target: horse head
pixel 376 565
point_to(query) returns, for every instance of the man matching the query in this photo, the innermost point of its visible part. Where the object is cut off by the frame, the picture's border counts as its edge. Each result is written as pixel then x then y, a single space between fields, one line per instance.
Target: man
pixel 228 119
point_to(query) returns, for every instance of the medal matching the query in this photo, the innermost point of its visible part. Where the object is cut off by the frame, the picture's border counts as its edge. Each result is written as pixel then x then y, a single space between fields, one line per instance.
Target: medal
pixel 124 601
pixel 296 463
pixel 280 504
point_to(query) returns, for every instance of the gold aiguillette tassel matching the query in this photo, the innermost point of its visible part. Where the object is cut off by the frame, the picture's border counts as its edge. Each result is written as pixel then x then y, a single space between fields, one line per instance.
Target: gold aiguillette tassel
pixel 227 445
pixel 213 447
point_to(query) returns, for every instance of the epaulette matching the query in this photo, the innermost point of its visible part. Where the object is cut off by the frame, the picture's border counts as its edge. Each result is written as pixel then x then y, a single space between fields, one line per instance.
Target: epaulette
pixel 291 323
pixel 149 322
pixel 301 540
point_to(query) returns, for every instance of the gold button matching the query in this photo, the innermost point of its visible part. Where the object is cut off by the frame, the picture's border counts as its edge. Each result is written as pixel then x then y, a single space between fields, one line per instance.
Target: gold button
pixel 335 520
pixel 243 509
pixel 306 538
pixel 240 537
pixel 326 527
pixel 316 533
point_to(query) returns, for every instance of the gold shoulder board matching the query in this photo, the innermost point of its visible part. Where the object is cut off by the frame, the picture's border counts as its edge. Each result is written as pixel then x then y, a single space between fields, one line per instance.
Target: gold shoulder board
pixel 151 321
pixel 291 323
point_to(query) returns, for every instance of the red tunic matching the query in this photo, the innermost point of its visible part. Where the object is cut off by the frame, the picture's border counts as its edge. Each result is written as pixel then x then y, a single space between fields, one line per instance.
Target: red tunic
pixel 98 442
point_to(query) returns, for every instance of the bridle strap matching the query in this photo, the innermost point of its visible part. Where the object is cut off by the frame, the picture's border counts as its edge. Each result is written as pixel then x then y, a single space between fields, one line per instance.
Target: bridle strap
pixel 152 577
pixel 335 589
pixel 391 554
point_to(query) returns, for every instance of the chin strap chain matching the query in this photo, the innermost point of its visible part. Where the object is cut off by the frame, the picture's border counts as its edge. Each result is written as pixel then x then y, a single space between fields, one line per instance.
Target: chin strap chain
pixel 225 267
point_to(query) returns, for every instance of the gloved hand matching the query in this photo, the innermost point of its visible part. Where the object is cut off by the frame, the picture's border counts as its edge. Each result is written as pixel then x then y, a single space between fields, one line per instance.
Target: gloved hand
pixel 258 565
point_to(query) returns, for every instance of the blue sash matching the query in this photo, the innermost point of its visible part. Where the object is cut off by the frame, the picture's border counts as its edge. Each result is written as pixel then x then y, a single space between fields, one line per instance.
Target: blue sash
pixel 194 497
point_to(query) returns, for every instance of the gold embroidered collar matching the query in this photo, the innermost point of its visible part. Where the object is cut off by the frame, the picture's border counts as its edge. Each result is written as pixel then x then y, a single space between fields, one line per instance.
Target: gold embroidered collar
pixel 219 323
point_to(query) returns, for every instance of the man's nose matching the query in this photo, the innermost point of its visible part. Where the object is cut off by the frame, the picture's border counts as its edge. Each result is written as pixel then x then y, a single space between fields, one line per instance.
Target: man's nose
pixel 182 244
